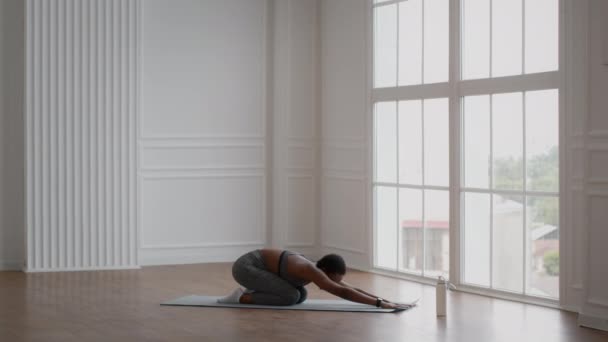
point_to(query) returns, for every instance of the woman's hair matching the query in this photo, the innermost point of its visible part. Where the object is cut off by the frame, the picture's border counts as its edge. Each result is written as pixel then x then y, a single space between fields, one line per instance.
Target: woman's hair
pixel 332 263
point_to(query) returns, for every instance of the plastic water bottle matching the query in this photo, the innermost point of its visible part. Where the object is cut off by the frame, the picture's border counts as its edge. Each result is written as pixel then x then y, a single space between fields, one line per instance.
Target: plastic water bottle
pixel 440 292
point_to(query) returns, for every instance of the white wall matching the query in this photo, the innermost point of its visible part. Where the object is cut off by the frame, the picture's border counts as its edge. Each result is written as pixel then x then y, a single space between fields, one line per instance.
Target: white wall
pixel 594 304
pixel 345 192
pixel 202 130
pixel 206 137
pixel 230 100
pixel 572 228
pixel 296 126
pixel 12 219
pixel 81 92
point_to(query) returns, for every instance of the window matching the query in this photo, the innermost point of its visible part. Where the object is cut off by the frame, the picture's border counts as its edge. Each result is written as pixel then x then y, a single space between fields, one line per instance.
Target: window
pixel 502 102
pixel 411 137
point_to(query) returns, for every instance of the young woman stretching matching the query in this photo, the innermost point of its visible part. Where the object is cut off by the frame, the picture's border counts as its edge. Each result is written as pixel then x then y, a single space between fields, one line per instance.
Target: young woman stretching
pixel 278 277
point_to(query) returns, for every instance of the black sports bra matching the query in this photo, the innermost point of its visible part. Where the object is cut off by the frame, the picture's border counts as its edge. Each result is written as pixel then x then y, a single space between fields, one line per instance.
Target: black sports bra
pixel 282 270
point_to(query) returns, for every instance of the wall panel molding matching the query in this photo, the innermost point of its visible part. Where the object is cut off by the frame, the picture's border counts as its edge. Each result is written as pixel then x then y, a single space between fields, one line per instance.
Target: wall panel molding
pixel 296 125
pixel 81 104
pixel 344 157
pixel 344 144
pixel 216 86
pixel 594 299
pixel 194 143
pixel 203 130
pixel 218 153
pixel 185 136
pixel 342 248
pixel 345 229
pixel 179 197
pixel 204 245
pixel 172 256
pixel 600 302
pixel 301 210
pixel 598 133
pixel 202 157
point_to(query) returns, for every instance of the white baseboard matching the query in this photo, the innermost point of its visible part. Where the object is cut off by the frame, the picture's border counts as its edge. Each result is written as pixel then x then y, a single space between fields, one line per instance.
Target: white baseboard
pixel 11 265
pixel 78 269
pixel 593 322
pixel 195 255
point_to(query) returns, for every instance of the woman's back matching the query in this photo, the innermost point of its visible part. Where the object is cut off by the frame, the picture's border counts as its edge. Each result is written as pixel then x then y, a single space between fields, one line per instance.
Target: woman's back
pixel 289 268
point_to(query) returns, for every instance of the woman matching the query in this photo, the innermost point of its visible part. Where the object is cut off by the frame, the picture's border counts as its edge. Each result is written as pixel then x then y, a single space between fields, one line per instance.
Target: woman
pixel 278 277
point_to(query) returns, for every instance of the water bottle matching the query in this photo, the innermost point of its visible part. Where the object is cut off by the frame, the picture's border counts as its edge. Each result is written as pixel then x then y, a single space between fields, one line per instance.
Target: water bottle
pixel 440 292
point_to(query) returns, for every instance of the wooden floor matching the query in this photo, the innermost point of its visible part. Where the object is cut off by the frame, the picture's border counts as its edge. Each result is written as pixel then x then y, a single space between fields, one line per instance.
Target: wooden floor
pixel 124 306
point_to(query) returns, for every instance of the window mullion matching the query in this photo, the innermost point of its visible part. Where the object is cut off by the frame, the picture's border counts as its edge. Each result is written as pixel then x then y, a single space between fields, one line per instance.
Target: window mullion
pixel 523 101
pixel 511 192
pixel 422 44
pixel 412 186
pixel 397 189
pixel 523 37
pixel 398 250
pixel 507 84
pixel 510 84
pixel 423 225
pixel 491 170
pixel 387 3
pixel 490 36
pixel 525 197
pixel 454 150
pixel 374 186
pixel 411 92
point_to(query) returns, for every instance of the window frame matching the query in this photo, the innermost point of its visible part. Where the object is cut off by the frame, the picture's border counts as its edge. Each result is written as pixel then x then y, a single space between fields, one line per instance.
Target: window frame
pixel 455 89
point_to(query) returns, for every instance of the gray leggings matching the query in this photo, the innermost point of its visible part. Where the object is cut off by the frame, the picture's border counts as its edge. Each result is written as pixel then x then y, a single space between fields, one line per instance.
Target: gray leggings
pixel 268 288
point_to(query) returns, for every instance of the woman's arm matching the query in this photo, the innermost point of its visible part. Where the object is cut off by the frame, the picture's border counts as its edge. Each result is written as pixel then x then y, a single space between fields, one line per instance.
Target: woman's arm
pixel 343 283
pixel 372 295
pixel 325 283
pixel 367 293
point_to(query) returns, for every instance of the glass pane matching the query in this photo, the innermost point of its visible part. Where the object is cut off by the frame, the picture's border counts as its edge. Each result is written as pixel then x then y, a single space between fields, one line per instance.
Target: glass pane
pixel 542 131
pixel 410 42
pixel 476 137
pixel 410 219
pixel 507 244
pixel 386 227
pixel 476 39
pixel 436 40
pixel 436 142
pixel 386 142
pixel 477 239
pixel 437 233
pixel 380 1
pixel 410 142
pixel 542 22
pixel 506 37
pixel 385 46
pixel 543 247
pixel 507 144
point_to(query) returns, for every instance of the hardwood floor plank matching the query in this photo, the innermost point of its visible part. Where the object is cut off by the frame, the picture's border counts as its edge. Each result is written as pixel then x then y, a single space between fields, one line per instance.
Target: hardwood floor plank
pixel 124 306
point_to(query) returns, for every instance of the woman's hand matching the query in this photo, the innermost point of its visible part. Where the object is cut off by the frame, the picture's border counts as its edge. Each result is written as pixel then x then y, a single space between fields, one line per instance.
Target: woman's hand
pixel 394 306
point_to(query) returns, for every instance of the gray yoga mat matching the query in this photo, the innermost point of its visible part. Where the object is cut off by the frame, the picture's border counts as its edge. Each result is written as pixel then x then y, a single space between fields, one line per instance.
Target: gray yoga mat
pixel 309 304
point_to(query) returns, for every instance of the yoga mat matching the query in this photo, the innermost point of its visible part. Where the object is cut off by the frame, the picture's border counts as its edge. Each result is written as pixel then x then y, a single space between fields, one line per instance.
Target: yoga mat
pixel 309 305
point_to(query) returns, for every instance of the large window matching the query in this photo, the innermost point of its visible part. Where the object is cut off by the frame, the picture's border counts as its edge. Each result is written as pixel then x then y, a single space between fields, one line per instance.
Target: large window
pixel 466 141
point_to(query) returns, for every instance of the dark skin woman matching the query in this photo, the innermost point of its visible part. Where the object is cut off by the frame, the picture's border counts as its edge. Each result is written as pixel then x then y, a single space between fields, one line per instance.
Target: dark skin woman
pixel 278 277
